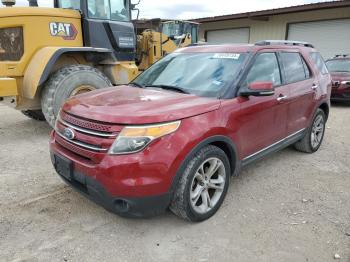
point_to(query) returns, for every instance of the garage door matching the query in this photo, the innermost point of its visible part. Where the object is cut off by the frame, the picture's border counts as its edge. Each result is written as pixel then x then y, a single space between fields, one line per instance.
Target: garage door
pixel 228 36
pixel 329 37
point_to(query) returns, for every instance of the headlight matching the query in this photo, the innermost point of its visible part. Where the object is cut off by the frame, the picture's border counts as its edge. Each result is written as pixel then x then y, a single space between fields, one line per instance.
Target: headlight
pixel 134 139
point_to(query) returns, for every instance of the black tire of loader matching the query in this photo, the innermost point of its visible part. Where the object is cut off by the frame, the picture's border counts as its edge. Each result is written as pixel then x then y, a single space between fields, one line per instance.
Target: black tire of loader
pixel 34 114
pixel 62 84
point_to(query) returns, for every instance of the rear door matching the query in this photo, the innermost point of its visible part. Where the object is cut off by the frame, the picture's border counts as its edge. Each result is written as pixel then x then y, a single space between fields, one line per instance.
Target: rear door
pixel 263 119
pixel 302 85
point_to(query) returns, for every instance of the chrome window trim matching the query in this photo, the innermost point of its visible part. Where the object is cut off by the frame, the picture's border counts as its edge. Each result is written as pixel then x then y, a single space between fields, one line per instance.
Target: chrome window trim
pixel 274 144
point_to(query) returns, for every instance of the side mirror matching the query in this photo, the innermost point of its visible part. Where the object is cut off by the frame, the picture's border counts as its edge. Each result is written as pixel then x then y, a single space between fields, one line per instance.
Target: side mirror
pixel 259 89
pixel 133 4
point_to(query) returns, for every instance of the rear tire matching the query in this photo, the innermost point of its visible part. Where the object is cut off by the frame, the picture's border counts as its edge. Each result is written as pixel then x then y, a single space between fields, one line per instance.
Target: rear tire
pixel 67 82
pixel 34 114
pixel 314 134
pixel 203 185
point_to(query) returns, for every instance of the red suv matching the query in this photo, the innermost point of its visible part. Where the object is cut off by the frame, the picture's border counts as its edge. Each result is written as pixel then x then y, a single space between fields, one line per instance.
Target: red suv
pixel 340 72
pixel 174 136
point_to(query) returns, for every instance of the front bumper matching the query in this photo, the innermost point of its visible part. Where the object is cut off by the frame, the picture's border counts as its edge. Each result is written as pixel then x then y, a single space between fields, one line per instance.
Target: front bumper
pixel 8 87
pixel 93 190
pixel 139 184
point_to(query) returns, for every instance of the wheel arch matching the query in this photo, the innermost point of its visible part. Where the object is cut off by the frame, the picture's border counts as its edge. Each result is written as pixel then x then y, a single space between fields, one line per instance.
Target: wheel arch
pixel 220 141
pixel 43 63
pixel 325 107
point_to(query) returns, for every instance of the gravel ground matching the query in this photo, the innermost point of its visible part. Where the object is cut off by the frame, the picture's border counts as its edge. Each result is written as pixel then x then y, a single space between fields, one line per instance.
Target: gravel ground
pixel 289 207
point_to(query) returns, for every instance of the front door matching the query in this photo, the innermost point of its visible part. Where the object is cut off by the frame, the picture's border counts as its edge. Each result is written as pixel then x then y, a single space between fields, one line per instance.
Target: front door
pixel 107 24
pixel 263 120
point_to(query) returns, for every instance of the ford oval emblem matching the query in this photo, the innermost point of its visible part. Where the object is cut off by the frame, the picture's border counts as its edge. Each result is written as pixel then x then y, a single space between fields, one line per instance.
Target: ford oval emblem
pixel 68 133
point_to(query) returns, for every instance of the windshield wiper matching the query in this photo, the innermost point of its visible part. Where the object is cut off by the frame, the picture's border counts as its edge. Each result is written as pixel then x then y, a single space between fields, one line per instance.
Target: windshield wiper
pixel 136 84
pixel 172 88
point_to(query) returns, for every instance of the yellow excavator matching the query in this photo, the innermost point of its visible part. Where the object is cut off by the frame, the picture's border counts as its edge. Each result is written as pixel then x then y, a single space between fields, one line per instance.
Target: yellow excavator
pixel 48 55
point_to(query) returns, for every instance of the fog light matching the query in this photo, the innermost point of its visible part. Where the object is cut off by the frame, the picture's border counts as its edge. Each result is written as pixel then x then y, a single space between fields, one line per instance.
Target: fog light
pixel 121 205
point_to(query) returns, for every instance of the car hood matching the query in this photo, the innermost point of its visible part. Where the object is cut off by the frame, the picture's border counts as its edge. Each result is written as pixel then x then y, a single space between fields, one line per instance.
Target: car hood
pixel 131 105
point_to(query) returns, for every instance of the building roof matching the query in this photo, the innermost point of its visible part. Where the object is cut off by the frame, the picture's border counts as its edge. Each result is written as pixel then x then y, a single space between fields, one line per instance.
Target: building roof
pixel 278 11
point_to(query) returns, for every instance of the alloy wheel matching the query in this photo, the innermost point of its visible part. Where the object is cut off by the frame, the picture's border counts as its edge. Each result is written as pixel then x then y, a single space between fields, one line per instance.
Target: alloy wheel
pixel 208 185
pixel 317 131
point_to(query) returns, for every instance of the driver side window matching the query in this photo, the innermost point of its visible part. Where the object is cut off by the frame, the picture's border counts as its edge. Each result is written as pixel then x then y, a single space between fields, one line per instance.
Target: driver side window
pixel 119 11
pixel 99 9
pixel 265 68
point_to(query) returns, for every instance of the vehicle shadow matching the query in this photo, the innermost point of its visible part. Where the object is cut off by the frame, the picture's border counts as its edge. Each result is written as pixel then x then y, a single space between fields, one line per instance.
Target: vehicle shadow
pixel 340 104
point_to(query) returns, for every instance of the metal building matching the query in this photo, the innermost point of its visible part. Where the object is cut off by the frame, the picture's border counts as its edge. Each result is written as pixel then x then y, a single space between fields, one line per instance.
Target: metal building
pixel 326 25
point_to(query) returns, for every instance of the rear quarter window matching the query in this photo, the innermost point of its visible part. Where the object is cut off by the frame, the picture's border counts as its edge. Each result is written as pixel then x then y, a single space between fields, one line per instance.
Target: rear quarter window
pixel 319 62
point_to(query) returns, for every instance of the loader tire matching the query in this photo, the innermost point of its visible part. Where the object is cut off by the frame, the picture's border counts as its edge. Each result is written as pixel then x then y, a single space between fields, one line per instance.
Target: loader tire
pixel 34 114
pixel 67 82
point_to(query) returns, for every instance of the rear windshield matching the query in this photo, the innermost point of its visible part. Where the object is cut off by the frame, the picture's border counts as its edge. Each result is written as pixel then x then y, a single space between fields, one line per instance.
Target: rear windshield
pixel 339 65
pixel 201 74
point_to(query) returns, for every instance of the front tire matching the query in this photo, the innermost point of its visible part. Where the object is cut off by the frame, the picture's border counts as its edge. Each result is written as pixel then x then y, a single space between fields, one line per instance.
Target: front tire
pixel 314 135
pixel 67 82
pixel 203 185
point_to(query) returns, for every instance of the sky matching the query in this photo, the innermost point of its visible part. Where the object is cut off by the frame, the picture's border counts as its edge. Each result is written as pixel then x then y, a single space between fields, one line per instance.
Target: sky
pixel 187 9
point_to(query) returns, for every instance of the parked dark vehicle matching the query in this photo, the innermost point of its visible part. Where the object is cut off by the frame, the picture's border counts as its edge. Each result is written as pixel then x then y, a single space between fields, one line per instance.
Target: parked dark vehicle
pixel 339 68
pixel 175 136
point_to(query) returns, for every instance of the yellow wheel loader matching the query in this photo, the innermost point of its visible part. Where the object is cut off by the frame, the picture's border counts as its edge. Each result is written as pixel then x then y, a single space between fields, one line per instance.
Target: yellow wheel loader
pixel 153 45
pixel 50 54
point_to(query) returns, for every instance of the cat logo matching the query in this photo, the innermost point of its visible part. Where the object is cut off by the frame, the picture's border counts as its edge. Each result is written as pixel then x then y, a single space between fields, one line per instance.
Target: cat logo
pixel 64 30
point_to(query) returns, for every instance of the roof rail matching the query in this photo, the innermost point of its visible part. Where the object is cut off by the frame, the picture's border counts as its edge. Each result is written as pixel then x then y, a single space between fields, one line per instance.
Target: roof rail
pixel 284 42
pixel 344 55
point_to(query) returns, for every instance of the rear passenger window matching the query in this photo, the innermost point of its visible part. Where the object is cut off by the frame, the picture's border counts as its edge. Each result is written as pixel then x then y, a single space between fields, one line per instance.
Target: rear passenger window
pixel 319 62
pixel 294 67
pixel 265 68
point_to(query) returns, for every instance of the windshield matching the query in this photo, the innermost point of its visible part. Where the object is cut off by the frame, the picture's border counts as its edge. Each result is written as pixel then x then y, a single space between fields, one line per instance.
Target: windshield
pixel 69 4
pixel 172 29
pixel 339 65
pixel 201 74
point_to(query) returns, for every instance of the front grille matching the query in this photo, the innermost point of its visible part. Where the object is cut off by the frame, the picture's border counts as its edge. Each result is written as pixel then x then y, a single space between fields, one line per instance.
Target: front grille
pixel 11 44
pixel 86 123
pixel 86 140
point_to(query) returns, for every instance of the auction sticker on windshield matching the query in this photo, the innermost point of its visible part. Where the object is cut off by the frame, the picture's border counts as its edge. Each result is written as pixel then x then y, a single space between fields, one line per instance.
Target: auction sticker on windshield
pixel 227 56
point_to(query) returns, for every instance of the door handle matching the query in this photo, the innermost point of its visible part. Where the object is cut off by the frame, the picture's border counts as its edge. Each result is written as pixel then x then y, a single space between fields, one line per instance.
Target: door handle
pixel 281 98
pixel 314 87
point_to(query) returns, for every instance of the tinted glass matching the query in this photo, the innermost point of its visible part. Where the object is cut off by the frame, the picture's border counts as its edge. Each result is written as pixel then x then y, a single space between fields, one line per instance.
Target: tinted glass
pixel 306 69
pixel 319 62
pixel 109 9
pixel 265 68
pixel 339 65
pixel 119 10
pixel 99 9
pixel 69 4
pixel 202 74
pixel 293 67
